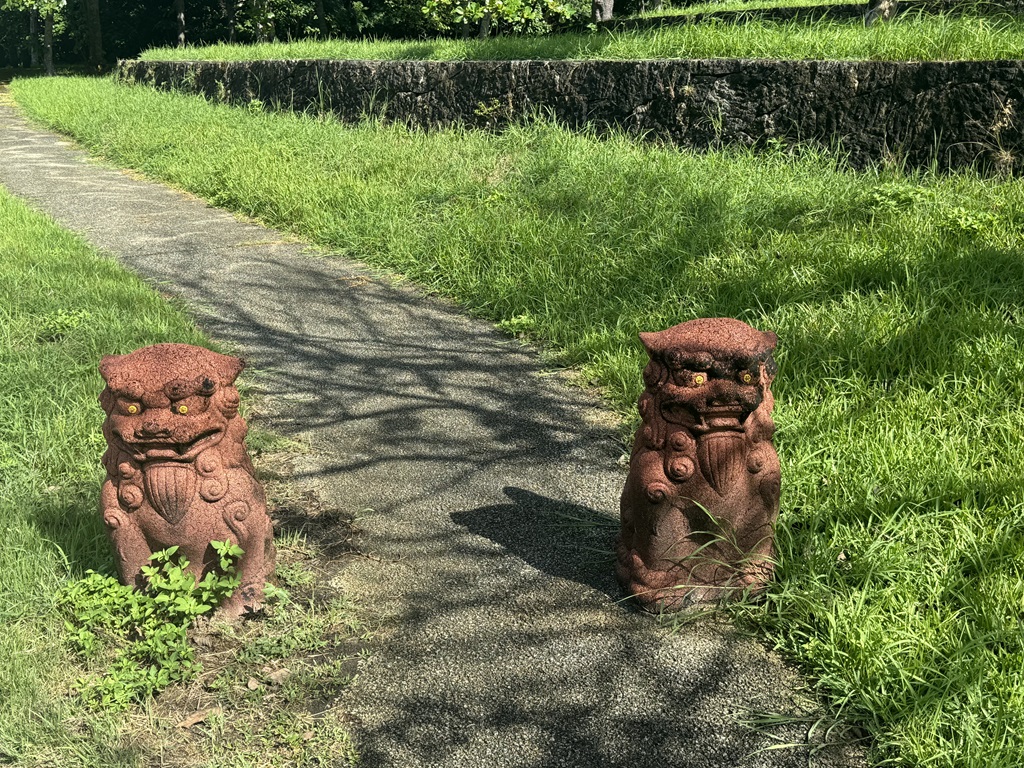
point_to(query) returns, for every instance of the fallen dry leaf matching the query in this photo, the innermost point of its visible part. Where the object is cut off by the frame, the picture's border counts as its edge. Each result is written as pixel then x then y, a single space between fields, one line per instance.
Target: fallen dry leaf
pixel 199 717
pixel 278 677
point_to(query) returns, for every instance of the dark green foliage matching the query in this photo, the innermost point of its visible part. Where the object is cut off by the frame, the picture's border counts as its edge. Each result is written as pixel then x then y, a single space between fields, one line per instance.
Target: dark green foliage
pixel 14 39
pixel 130 26
pixel 501 16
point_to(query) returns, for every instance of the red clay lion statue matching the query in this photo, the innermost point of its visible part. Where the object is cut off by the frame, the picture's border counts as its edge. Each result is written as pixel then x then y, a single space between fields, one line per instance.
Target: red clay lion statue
pixel 702 496
pixel 177 468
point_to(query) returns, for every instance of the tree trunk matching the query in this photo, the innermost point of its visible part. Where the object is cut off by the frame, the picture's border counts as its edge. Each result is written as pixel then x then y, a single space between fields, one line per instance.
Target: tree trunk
pixel 230 9
pixel 321 15
pixel 33 34
pixel 264 24
pixel 879 10
pixel 601 10
pixel 94 32
pixel 258 8
pixel 179 13
pixel 48 43
pixel 485 26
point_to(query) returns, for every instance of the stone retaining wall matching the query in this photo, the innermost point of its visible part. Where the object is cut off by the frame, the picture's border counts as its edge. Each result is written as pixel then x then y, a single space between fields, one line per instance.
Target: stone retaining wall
pixel 953 113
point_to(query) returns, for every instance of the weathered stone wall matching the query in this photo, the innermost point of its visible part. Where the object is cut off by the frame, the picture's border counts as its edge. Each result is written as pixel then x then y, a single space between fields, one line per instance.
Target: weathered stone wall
pixel 953 113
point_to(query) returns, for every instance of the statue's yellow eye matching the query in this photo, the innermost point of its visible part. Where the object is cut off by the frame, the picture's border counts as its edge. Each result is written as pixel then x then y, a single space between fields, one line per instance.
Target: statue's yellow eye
pixel 182 409
pixel 699 379
pixel 747 378
pixel 132 409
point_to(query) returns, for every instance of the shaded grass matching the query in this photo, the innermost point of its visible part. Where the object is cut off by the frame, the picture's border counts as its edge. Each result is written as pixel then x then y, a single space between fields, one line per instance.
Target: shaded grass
pixel 911 37
pixel 62 307
pixel 897 298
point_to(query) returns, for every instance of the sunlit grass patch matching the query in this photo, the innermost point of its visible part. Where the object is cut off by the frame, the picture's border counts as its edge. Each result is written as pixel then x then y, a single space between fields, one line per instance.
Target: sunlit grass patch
pixel 911 37
pixel 740 5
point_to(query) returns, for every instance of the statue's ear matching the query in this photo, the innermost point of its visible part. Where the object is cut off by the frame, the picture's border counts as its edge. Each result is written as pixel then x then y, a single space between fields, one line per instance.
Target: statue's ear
pixel 108 365
pixel 652 343
pixel 771 338
pixel 230 367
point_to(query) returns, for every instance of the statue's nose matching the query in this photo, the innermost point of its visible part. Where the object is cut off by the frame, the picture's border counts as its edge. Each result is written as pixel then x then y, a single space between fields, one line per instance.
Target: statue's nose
pixel 151 429
pixel 723 396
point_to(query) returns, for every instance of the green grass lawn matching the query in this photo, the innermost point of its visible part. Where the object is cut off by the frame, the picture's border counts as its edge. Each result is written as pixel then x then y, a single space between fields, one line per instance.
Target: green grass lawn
pixel 62 307
pixel 912 37
pixel 898 301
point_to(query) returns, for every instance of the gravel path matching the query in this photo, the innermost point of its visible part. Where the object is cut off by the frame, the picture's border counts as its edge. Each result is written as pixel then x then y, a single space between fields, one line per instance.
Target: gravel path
pixel 502 642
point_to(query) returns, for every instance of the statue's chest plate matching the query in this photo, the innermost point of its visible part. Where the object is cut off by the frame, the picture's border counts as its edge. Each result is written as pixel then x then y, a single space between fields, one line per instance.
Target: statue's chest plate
pixel 723 460
pixel 171 488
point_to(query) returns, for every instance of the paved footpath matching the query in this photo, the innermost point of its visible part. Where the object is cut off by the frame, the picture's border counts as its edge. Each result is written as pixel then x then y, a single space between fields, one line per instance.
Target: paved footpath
pixel 502 643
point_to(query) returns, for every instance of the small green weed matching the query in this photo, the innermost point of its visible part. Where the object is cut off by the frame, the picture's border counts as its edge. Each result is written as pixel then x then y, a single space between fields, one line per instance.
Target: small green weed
pixel 141 636
pixel 894 197
pixel 56 325
pixel 292 574
pixel 277 680
pixel 968 222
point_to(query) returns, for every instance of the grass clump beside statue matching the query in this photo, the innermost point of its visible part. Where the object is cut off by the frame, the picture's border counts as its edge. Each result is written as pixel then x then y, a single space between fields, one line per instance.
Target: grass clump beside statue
pixel 896 298
pixel 81 655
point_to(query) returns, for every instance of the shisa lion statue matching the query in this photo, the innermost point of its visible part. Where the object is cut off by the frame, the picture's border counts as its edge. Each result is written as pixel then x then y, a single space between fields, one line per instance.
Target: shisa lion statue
pixel 700 503
pixel 177 468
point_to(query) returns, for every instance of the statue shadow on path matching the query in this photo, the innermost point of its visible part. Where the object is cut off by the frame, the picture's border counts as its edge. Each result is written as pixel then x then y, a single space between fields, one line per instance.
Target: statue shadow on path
pixel 562 539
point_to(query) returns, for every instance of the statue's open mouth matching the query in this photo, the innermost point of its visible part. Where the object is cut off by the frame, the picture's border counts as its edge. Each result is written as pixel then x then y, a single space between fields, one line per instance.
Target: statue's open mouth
pixel 719 418
pixel 165 450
